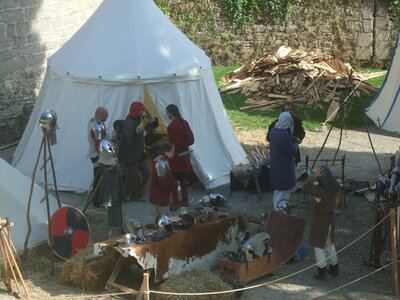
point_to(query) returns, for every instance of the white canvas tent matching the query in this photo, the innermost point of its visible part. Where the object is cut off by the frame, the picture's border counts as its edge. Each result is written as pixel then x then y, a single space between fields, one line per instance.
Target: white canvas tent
pixel 14 191
pixel 385 109
pixel 129 51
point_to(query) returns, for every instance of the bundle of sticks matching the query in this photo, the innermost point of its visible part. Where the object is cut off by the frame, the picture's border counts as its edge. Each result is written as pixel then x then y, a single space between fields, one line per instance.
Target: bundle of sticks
pixel 257 153
pixel 304 77
pixel 9 256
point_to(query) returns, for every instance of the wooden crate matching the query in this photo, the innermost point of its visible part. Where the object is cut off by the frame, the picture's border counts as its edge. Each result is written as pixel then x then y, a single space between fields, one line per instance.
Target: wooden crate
pixel 248 271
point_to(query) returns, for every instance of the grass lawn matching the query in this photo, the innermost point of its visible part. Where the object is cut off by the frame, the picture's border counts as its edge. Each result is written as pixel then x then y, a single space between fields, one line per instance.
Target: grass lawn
pixel 312 116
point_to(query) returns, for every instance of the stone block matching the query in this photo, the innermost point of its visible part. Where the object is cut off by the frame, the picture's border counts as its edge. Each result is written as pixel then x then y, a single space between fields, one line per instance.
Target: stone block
pixel 381 24
pixel 7 4
pixel 368 13
pixel 37 60
pixel 19 41
pixel 6 67
pixel 368 25
pixel 10 30
pixel 27 3
pixel 33 13
pixel 383 50
pixel 364 39
pixel 381 9
pixel 9 53
pixel 70 19
pixel 12 16
pixel 5 43
pixel 23 29
pixel 50 45
pixel 33 48
pixel 363 53
pixel 41 25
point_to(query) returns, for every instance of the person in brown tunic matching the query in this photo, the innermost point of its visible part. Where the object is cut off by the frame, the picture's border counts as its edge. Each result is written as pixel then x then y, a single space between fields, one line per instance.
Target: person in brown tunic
pixel 327 195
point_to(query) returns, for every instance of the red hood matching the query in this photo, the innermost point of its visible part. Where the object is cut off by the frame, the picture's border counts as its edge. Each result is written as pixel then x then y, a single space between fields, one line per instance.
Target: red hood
pixel 136 109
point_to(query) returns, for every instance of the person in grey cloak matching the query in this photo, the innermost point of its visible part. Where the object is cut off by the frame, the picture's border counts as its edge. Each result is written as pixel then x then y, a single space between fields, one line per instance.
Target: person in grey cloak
pixel 283 148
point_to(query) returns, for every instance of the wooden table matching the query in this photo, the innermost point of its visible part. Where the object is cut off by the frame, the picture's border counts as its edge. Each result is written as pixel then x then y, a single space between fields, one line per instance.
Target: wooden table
pixel 199 247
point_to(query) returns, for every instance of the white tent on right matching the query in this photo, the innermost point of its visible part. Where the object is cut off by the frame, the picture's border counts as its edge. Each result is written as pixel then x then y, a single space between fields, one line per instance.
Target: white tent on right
pixel 385 109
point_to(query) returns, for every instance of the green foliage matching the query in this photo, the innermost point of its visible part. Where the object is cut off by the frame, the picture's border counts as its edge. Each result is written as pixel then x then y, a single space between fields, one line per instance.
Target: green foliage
pixel 396 9
pixel 221 71
pixel 242 12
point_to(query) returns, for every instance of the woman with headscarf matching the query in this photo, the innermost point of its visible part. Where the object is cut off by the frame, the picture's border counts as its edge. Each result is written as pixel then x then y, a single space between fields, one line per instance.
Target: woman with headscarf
pixel 181 135
pixel 327 196
pixel 283 148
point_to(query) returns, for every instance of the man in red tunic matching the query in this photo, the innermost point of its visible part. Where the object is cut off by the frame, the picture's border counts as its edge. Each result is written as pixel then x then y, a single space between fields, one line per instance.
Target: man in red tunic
pixel 181 136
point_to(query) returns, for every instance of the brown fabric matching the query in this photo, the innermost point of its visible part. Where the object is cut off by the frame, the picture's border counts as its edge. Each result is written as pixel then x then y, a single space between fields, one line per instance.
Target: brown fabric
pixel 137 176
pixel 190 243
pixel 324 212
pixel 286 234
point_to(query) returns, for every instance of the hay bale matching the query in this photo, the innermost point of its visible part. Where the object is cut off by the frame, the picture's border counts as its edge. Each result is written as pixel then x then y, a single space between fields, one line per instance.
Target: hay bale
pixel 195 281
pixel 88 275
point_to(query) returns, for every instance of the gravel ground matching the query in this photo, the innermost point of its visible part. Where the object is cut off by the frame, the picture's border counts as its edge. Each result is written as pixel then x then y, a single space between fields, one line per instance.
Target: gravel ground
pixel 354 220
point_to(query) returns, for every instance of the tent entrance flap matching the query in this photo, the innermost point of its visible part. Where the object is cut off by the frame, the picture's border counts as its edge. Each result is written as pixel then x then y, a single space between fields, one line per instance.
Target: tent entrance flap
pixel 151 107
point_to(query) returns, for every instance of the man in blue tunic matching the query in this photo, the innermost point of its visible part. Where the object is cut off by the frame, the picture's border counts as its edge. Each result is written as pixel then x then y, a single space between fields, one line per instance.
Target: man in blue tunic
pixel 283 148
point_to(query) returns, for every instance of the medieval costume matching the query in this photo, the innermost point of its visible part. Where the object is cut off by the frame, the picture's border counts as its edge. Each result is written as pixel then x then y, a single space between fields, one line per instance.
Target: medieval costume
pixel 96 130
pixel 282 151
pixel 111 188
pixel 327 194
pixel 162 185
pixel 132 152
pixel 181 135
pixel 295 129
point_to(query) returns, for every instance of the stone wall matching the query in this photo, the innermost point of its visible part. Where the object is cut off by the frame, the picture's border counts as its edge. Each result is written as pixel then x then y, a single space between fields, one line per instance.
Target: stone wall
pixel 358 33
pixel 31 30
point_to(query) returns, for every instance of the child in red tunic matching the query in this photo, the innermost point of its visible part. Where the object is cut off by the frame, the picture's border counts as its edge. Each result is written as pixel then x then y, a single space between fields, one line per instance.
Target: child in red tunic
pixel 163 184
pixel 181 135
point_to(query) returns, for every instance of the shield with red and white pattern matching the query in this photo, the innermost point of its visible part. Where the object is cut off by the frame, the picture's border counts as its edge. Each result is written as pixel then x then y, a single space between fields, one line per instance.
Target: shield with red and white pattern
pixel 70 232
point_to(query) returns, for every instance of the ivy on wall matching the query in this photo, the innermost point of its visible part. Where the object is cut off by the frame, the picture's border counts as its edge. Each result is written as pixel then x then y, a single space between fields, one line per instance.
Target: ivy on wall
pixel 241 12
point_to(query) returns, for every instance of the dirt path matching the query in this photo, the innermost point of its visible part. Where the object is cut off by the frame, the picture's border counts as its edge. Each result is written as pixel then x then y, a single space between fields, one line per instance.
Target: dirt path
pixel 353 221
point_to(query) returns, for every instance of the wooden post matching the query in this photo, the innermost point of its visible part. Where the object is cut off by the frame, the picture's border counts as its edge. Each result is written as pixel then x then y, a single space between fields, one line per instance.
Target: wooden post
pixel 394 251
pixel 146 286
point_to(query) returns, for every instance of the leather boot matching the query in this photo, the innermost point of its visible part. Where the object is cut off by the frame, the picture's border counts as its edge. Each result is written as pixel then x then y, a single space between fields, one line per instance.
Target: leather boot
pixel 321 275
pixel 333 270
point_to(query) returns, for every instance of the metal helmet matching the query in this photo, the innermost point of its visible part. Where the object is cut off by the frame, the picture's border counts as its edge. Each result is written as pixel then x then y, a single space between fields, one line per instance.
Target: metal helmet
pixel 107 147
pixel 48 120
pixel 99 131
pixel 165 224
pixel 217 200
pixel 107 153
pixel 283 206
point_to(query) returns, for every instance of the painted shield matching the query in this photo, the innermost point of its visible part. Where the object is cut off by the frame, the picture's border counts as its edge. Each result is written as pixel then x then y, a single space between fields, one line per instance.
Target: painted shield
pixel 70 232
pixel 286 234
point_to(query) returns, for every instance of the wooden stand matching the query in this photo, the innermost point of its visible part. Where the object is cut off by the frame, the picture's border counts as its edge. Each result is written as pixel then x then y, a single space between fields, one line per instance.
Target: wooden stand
pixel 248 271
pixel 14 280
pixel 111 285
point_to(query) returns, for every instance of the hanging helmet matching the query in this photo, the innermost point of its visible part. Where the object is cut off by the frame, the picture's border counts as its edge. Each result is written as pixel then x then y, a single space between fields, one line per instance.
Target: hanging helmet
pixel 48 120
pixel 165 224
pixel 283 206
pixel 106 153
pixel 99 131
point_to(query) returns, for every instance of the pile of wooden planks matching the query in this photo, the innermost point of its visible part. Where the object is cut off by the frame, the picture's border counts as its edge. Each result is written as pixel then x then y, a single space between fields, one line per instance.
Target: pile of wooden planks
pixel 306 78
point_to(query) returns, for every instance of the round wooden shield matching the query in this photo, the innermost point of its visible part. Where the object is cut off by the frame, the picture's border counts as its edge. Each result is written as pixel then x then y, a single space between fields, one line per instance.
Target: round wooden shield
pixel 70 232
